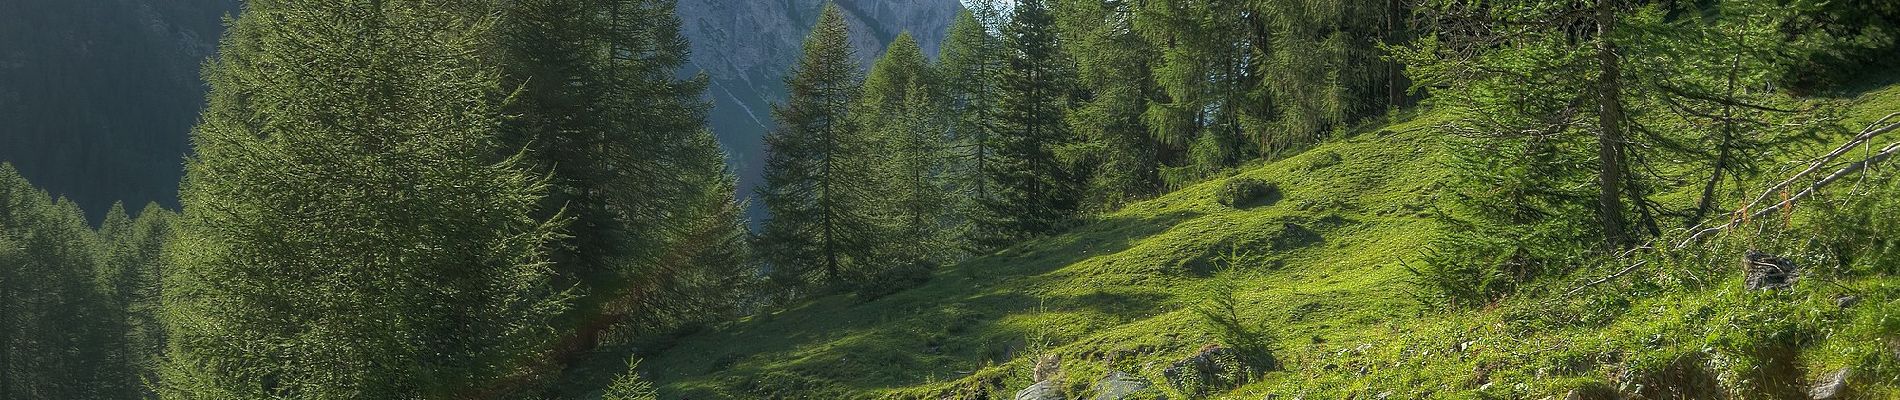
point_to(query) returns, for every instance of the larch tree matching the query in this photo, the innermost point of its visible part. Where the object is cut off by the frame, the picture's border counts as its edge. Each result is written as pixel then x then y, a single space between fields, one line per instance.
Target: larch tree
pixel 58 337
pixel 129 276
pixel 623 140
pixel 1207 72
pixel 897 110
pixel 819 174
pixel 1114 67
pixel 349 230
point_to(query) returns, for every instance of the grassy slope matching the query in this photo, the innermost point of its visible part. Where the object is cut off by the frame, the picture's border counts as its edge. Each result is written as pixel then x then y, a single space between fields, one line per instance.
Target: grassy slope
pixel 1323 272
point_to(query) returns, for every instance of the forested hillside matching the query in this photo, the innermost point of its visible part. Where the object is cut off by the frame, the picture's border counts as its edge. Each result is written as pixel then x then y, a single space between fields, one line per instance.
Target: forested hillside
pixel 96 95
pixel 1185 199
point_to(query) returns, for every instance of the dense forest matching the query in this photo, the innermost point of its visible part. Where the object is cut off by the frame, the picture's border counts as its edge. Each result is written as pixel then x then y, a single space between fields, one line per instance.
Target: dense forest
pixel 1108 199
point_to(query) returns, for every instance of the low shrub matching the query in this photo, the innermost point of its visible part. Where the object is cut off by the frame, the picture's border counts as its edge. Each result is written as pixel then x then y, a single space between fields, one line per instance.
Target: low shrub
pixel 1248 192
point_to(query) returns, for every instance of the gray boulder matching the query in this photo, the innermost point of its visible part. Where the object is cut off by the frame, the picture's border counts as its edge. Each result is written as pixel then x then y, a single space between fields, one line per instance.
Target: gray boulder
pixel 1119 386
pixel 1045 390
pixel 1834 387
pixel 1214 369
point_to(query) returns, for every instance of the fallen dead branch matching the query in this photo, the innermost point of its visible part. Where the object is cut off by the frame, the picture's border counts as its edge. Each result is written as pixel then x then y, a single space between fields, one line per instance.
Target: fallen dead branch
pixel 1751 212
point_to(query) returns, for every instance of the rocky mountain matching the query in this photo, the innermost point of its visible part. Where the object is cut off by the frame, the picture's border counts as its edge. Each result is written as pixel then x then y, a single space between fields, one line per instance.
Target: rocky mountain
pixel 96 96
pixel 747 46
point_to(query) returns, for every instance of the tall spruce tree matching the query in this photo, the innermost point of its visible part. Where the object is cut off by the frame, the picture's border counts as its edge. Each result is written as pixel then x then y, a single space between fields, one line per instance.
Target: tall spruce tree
pixel 819 169
pixel 1114 67
pixel 971 59
pixel 348 229
pixel 1559 72
pixel 1035 192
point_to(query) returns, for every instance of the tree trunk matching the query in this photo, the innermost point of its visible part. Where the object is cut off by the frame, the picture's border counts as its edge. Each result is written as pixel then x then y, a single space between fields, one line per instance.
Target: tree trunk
pixel 1724 151
pixel 1610 138
pixel 1395 71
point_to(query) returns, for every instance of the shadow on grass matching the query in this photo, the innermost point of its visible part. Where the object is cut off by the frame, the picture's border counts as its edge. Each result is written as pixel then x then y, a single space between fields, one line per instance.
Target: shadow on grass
pixel 937 331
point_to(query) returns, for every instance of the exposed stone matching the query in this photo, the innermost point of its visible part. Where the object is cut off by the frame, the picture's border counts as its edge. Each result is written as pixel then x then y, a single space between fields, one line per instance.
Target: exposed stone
pixel 1048 367
pixel 1834 387
pixel 1767 272
pixel 1045 390
pixel 1119 386
pixel 1214 369
pixel 1847 301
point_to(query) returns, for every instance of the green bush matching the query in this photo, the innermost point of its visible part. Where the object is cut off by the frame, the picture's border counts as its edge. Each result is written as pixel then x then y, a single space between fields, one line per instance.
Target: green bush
pixel 630 386
pixel 1248 192
pixel 902 275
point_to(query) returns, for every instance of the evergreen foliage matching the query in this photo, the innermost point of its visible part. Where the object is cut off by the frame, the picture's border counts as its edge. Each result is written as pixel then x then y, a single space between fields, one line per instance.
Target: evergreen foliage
pixel 348 229
pixel 1114 68
pixel 411 199
pixel 1034 192
pixel 129 279
pixel 971 60
pixel 58 337
pixel 820 172
pixel 629 159
pixel 898 109
pixel 630 386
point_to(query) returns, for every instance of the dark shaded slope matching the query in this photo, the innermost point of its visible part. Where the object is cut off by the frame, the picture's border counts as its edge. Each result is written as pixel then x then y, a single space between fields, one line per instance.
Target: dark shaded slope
pixel 97 96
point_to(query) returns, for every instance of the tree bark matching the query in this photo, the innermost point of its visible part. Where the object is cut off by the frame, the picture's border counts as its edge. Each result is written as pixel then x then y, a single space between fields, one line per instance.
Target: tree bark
pixel 1610 138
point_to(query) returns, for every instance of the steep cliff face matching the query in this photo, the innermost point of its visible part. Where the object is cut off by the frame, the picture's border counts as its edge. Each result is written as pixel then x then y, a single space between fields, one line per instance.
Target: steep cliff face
pixel 97 96
pixel 747 47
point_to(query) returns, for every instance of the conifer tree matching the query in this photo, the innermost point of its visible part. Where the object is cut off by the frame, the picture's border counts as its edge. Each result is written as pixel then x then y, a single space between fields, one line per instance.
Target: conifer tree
pixel 1114 69
pixel 628 155
pixel 897 110
pixel 348 229
pixel 57 337
pixel 819 171
pixel 129 274
pixel 1206 72
pixel 1035 192
pixel 968 65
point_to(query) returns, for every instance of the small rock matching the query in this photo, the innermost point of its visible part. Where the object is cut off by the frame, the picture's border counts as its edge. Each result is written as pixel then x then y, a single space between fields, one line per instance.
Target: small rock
pixel 1048 367
pixel 1119 386
pixel 1834 387
pixel 1767 272
pixel 1847 301
pixel 1045 390
pixel 1215 368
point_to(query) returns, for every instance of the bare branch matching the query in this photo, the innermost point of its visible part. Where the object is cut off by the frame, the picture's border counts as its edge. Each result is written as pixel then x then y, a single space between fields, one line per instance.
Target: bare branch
pixel 1744 214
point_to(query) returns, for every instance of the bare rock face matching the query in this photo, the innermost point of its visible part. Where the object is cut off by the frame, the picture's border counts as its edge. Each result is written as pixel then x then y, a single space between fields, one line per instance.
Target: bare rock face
pixel 747 47
pixel 1767 272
